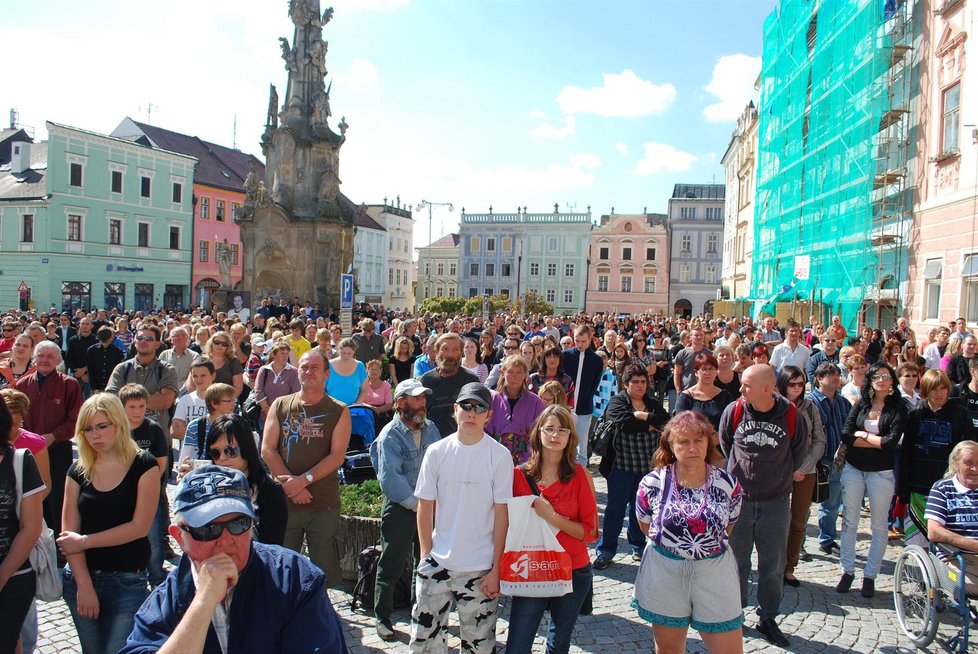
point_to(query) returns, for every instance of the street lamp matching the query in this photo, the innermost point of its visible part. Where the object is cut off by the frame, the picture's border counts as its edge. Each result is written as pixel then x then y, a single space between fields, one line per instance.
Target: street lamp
pixel 421 205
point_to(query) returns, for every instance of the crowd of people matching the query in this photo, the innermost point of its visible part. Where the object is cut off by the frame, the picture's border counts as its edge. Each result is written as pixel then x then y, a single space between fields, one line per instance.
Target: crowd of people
pixel 717 436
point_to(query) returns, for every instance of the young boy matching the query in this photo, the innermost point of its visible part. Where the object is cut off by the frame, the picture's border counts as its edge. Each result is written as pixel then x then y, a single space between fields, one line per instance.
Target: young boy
pixel 464 483
pixel 193 405
pixel 220 400
pixel 150 437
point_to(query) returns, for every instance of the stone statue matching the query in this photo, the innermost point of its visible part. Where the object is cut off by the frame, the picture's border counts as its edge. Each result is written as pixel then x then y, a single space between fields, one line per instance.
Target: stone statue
pixel 261 196
pixel 320 109
pixel 223 253
pixel 317 56
pixel 288 54
pixel 343 126
pixel 251 183
pixel 327 15
pixel 272 119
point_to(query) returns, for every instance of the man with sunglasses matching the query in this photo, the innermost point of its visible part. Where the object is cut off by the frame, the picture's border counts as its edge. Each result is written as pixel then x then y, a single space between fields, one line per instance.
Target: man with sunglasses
pixel 463 486
pixel 159 378
pixel 829 352
pixel 230 593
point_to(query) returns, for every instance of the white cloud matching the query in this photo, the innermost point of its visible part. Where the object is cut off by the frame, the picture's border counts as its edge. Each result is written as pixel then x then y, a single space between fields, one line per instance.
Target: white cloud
pixel 548 131
pixel 364 73
pixel 625 95
pixel 660 157
pixel 587 160
pixel 733 85
pixel 622 148
pixel 536 113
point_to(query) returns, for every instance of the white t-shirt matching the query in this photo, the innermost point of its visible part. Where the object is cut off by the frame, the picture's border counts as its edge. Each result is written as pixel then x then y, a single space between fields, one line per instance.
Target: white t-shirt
pixel 465 481
pixel 190 407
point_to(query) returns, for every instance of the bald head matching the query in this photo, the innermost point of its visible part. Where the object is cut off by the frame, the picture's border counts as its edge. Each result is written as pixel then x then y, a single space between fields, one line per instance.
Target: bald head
pixel 757 386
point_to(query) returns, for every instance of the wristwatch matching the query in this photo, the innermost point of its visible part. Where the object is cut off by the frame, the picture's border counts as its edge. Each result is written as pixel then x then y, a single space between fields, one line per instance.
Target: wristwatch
pixel 309 477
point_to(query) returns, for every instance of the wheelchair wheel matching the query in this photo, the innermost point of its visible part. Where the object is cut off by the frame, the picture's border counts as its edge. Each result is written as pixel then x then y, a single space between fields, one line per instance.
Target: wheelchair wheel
pixel 916 590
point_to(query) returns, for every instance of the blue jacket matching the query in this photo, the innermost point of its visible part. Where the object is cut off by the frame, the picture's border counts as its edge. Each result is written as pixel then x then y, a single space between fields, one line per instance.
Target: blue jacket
pixel 590 376
pixel 279 605
pixel 398 462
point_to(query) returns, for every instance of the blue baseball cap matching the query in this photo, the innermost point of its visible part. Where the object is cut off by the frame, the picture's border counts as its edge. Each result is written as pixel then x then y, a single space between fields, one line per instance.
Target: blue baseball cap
pixel 210 492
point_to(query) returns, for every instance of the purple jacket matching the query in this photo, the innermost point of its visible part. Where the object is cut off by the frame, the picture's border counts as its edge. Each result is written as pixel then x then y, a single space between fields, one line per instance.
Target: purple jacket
pixel 526 411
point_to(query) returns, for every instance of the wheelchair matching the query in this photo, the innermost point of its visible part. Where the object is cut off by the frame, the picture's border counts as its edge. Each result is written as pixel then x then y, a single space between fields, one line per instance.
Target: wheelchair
pixel 924 586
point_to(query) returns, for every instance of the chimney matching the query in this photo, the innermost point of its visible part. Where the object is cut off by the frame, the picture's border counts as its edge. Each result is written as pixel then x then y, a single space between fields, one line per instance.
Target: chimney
pixel 20 157
pixel 13 118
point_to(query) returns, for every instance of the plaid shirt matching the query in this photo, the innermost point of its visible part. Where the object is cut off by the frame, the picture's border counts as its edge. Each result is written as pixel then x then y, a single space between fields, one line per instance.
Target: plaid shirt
pixel 634 443
pixel 606 389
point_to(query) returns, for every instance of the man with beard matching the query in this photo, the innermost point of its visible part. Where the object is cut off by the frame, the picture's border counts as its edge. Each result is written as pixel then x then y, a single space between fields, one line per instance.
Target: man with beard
pixel 397 455
pixel 445 382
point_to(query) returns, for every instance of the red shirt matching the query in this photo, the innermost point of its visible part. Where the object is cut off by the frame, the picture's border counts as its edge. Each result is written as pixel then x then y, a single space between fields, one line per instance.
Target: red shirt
pixel 573 500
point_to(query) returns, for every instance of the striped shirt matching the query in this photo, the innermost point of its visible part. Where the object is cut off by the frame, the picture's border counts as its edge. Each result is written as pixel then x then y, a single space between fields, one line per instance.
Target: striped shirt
pixel 954 506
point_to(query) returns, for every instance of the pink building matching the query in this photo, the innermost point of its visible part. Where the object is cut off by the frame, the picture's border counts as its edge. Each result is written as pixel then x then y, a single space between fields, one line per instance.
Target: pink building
pixel 629 271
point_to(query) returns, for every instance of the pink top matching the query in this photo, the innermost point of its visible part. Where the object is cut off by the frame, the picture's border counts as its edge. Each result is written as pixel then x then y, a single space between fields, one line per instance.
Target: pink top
pixel 30 440
pixel 380 396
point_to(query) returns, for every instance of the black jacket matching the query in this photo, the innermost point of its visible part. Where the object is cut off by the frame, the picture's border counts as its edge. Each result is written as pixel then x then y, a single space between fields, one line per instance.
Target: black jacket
pixel 928 440
pixel 77 356
pixel 101 361
pixel 893 418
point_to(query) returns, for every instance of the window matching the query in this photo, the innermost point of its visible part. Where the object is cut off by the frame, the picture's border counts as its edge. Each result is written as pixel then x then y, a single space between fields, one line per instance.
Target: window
pixel 711 243
pixel 439 291
pixel 686 243
pixel 390 276
pixel 534 269
pixel 504 292
pixel 933 270
pixel 473 270
pixel 551 295
pixel 473 292
pixel 506 269
pixel 234 210
pixel 114 295
pixel 205 208
pixel 117 181
pixel 626 284
pixel 489 292
pixel 551 270
pixel 950 120
pixel 175 241
pixel 684 273
pixel 602 283
pixel 427 268
pixel 74 228
pixel 144 297
pixel 490 270
pixel 76 295
pixel 177 192
pixel 451 291
pixel 173 295
pixel 568 296
pixel 626 254
pixel 687 213
pixel 490 245
pixel 474 244
pixel 145 184
pixel 711 274
pixel 203 251
pixel 714 213
pixel 650 284
pixel 115 231
pixel 27 228
pixel 650 254
pixel 969 274
pixel 75 174
pixel 219 213
pixel 142 235
pixel 397 276
pixel 552 243
pixel 568 270
pixel 604 253
pixel 507 245
pixel 441 268
pixel 452 270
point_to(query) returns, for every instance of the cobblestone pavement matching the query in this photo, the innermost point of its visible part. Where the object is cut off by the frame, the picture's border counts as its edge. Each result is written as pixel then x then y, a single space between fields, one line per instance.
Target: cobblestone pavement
pixel 816 618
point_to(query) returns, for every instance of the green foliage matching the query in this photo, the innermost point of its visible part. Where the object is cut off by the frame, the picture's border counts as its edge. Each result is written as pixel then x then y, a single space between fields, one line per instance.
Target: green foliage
pixel 449 305
pixel 362 499
pixel 497 302
pixel 533 303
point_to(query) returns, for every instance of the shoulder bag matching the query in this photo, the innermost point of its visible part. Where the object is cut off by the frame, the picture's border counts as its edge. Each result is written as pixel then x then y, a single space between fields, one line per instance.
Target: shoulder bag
pixel 44 557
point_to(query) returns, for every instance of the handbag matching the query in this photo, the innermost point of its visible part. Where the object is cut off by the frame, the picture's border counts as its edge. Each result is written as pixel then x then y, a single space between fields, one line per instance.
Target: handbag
pixel 251 409
pixel 839 460
pixel 820 492
pixel 44 555
pixel 533 564
pixel 603 434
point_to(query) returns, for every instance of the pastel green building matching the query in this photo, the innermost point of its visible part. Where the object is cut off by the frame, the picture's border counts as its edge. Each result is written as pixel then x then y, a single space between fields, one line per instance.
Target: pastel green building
pixel 93 221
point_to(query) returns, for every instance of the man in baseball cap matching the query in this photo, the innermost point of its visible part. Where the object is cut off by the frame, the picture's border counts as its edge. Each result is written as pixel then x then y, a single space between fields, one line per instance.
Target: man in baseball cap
pixel 397 453
pixel 272 589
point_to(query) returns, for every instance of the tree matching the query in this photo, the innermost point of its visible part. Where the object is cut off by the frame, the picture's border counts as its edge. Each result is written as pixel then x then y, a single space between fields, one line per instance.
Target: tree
pixel 532 303
pixel 497 302
pixel 445 305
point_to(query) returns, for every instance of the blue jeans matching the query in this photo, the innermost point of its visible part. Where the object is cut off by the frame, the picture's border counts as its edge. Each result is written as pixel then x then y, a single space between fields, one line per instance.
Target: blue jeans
pixel 120 594
pixel 526 612
pixel 828 511
pixel 157 543
pixel 28 633
pixel 763 524
pixel 622 488
pixel 878 486
pixel 583 425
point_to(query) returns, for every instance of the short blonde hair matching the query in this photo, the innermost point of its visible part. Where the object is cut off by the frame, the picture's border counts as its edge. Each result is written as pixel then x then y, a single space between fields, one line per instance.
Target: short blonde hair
pixel 16 401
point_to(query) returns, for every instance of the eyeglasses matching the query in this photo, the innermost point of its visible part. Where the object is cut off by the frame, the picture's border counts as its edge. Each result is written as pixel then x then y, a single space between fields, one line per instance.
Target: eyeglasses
pixel 881 378
pixel 511 347
pixel 551 431
pixel 221 343
pixel 8 329
pixel 911 347
pixel 796 384
pixel 214 530
pixel 145 338
pixel 100 428
pixel 471 406
pixel 229 452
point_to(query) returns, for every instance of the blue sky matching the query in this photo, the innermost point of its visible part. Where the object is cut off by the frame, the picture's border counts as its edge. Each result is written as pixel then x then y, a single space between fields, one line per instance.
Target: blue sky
pixel 478 103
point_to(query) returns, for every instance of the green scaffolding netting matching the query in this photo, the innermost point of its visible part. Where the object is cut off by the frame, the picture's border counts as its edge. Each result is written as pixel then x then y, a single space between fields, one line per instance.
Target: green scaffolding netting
pixel 823 93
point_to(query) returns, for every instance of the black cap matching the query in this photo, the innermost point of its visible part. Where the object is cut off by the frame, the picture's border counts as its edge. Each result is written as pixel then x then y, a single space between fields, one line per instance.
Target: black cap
pixel 475 392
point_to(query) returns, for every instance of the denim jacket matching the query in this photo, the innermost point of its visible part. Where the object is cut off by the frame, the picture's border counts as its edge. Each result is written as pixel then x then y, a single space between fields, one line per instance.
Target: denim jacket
pixel 398 462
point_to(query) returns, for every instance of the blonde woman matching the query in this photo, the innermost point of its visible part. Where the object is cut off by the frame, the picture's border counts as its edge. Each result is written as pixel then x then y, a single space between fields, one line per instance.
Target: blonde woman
pixel 111 496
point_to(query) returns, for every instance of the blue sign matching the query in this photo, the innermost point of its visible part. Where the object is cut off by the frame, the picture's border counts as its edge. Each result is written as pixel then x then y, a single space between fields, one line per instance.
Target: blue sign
pixel 346 291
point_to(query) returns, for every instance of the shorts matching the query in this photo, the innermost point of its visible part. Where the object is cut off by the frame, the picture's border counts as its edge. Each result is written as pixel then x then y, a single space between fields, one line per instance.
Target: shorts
pixel 702 593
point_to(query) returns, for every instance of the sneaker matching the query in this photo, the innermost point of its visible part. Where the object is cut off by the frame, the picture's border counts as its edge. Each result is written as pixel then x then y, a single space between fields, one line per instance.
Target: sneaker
pixel 828 547
pixel 636 556
pixel 772 632
pixel 845 583
pixel 386 630
pixel 601 562
pixel 869 587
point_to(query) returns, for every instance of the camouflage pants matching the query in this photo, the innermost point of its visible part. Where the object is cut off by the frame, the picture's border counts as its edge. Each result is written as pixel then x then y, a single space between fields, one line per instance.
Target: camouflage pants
pixel 437 588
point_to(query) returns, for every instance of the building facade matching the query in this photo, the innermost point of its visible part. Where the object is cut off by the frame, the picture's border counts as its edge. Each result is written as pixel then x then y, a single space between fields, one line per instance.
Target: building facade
pixel 397 220
pixel 629 271
pixel 89 220
pixel 738 221
pixel 369 259
pixel 438 268
pixel 695 230
pixel 513 253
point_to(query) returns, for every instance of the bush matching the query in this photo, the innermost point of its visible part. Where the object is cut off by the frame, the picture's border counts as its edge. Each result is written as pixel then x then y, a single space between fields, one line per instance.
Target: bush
pixel 362 499
pixel 443 305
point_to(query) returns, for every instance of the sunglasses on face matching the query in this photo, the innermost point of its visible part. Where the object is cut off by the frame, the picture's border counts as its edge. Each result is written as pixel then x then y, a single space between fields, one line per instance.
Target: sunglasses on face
pixel 471 406
pixel 229 452
pixel 221 343
pixel 796 384
pixel 145 338
pixel 214 530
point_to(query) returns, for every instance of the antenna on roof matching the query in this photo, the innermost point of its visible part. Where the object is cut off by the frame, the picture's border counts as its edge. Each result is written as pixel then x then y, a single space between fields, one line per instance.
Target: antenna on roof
pixel 149 111
pixel 234 135
pixel 14 117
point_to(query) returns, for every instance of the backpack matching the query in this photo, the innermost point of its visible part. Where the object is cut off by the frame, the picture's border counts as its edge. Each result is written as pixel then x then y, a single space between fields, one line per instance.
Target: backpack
pixel 128 369
pixel 363 591
pixel 738 415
